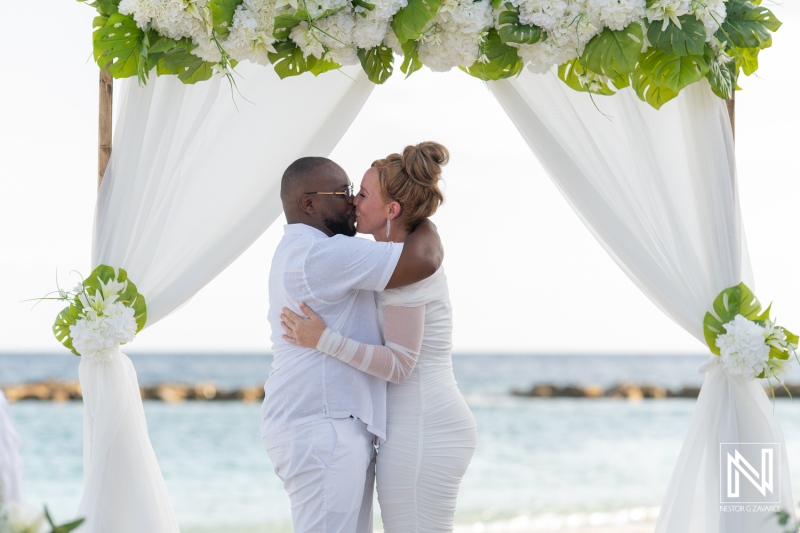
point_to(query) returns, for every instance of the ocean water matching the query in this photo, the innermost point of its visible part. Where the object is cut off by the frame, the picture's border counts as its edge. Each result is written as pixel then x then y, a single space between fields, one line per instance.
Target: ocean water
pixel 540 465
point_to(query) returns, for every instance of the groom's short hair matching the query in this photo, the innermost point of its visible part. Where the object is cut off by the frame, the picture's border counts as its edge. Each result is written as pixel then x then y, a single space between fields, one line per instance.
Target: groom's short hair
pixel 299 173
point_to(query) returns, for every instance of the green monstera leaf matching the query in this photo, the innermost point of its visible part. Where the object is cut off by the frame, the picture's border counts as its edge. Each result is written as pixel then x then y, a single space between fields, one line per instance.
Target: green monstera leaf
pixel 66 318
pixel 181 62
pixel 288 59
pixel 411 62
pixel 377 63
pixel 222 12
pixel 512 31
pixel 736 300
pixel 614 53
pixel 746 59
pixel 688 40
pixel 721 76
pixel 673 72
pixel 747 25
pixel 411 21
pixel 648 91
pixel 120 47
pixel 503 60
pixel 572 73
pixel 105 8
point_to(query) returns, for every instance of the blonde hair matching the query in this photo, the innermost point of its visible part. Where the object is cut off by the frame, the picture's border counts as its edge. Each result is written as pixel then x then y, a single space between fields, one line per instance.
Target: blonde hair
pixel 411 179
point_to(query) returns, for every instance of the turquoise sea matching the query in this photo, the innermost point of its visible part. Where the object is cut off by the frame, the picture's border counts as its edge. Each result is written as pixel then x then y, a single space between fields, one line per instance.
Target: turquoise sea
pixel 540 465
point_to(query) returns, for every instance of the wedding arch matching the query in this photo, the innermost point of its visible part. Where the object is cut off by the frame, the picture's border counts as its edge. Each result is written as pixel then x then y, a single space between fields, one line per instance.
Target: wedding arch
pixel 193 182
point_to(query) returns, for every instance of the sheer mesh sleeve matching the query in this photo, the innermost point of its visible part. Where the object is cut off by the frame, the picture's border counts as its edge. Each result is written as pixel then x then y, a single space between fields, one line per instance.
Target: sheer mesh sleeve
pixel 402 331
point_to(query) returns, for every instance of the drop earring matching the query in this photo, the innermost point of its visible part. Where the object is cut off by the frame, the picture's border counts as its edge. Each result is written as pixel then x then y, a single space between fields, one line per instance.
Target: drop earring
pixel 388 227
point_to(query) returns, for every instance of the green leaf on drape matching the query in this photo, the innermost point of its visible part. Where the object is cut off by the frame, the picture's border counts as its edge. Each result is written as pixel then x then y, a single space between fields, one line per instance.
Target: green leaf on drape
pixel 673 72
pixel 649 92
pixel 688 40
pixel 512 31
pixel 409 23
pixel 222 12
pixel 377 63
pixel 119 46
pixel 411 62
pixel 503 60
pixel 614 53
pixel 747 25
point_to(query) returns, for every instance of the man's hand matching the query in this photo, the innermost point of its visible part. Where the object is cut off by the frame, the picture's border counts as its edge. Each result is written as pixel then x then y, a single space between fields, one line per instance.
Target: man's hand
pixel 421 258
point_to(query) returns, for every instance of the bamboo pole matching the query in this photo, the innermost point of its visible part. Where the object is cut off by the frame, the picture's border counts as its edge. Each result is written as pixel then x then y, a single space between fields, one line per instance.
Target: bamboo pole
pixel 104 126
pixel 732 113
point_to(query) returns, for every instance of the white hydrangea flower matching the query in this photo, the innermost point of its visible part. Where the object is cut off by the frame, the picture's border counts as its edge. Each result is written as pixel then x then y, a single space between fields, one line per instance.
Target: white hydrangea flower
pixel 392 42
pixel 542 56
pixel 615 14
pixel 248 38
pixel 370 31
pixel 542 13
pixel 711 13
pixel 743 348
pixel 105 323
pixel 307 40
pixel 21 518
pixel 336 34
pixel 455 38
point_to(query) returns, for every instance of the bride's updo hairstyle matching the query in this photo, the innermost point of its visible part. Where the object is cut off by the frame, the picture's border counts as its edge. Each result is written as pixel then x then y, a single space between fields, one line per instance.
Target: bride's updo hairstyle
pixel 412 180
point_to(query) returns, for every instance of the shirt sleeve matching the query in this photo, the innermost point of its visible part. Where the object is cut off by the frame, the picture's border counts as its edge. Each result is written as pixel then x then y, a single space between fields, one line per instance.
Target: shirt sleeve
pixel 337 265
pixel 394 362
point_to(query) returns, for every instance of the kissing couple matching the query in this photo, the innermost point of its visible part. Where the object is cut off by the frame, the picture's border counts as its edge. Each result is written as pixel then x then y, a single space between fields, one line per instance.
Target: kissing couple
pixel 362 338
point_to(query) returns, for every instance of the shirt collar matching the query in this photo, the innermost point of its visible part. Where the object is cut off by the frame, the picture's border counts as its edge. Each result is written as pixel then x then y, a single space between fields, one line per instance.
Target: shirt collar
pixel 303 229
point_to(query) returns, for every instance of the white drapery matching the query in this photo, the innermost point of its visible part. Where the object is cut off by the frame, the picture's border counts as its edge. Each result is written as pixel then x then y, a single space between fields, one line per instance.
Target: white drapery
pixel 658 190
pixel 10 460
pixel 191 184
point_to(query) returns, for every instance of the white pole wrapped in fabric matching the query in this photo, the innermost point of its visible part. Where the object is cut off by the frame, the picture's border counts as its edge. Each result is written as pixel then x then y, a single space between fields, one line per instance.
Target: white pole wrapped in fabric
pixel 192 182
pixel 658 190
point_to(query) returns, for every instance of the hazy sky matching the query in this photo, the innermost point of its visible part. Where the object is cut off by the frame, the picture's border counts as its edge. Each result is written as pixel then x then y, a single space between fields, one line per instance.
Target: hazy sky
pixel 525 275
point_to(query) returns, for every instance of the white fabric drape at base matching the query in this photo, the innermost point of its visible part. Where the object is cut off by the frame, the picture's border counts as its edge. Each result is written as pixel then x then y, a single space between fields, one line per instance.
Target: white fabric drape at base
pixel 192 183
pixel 658 190
pixel 10 460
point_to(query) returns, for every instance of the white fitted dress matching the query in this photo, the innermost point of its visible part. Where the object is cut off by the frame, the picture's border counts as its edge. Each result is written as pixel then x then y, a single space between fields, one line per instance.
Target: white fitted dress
pixel 430 431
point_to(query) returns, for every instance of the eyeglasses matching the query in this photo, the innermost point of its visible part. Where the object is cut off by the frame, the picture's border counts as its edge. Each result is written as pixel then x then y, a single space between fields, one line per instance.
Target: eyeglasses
pixel 348 194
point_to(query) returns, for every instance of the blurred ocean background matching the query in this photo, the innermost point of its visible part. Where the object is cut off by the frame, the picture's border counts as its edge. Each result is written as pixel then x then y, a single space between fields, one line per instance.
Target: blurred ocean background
pixel 541 464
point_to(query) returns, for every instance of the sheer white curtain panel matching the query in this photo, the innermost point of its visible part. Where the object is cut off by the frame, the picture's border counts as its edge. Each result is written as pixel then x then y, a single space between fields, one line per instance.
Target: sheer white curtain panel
pixel 10 459
pixel 658 191
pixel 193 180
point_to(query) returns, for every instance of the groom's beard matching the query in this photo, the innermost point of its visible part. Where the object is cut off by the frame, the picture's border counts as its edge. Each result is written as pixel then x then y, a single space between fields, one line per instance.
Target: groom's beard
pixel 341 225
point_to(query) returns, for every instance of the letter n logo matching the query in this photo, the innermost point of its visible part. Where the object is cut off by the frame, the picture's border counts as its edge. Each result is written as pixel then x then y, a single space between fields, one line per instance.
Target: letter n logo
pixel 747 472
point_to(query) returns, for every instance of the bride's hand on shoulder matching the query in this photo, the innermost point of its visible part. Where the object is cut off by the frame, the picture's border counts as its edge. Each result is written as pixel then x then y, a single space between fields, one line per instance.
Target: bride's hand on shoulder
pixel 302 331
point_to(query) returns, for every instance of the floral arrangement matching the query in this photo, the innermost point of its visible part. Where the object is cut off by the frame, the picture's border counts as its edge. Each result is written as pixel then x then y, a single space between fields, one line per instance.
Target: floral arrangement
pixel 657 47
pixel 105 311
pixel 20 518
pixel 747 342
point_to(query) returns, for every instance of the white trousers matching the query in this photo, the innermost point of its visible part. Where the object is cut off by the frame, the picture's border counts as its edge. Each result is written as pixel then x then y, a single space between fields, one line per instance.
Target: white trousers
pixel 328 468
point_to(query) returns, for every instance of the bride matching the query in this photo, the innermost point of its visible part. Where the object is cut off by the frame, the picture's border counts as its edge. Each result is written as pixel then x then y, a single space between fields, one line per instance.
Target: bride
pixel 431 433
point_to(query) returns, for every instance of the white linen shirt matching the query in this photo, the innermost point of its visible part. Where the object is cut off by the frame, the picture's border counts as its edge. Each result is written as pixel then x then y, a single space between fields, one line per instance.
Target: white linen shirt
pixel 336 277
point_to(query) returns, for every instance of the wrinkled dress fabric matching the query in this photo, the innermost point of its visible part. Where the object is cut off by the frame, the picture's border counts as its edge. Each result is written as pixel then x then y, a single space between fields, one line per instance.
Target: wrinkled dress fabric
pixel 431 433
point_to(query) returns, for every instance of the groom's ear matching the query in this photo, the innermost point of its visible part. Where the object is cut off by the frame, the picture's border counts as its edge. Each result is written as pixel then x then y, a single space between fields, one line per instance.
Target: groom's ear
pixel 306 203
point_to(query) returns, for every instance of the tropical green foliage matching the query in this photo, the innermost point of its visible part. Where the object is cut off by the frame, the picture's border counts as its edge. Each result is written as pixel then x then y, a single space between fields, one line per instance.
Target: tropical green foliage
pixel 656 58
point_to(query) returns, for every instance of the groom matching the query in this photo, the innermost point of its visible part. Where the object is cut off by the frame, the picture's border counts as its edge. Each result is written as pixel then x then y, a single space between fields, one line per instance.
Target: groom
pixel 321 417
